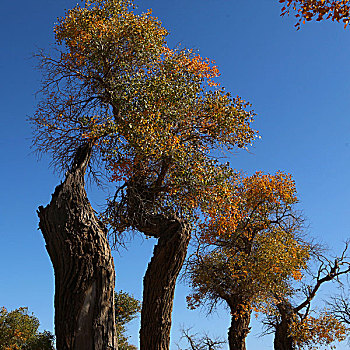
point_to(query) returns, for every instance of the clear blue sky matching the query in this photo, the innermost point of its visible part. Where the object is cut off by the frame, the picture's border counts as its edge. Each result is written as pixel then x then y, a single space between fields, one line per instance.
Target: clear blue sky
pixel 298 83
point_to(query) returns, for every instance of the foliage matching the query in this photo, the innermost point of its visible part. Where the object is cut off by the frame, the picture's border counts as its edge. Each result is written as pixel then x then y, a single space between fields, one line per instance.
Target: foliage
pixel 307 10
pixel 41 341
pixel 313 332
pixel 154 115
pixel 19 330
pixel 311 329
pixel 305 326
pixel 126 309
pixel 250 244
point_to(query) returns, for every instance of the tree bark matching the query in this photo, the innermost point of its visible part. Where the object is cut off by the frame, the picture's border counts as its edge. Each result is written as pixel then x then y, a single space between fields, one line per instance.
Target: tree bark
pixel 159 285
pixel 83 265
pixel 173 234
pixel 283 339
pixel 239 328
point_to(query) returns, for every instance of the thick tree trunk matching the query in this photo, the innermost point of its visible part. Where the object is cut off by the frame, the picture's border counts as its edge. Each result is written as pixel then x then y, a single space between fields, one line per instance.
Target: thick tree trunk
pixel 159 285
pixel 239 328
pixel 84 270
pixel 283 340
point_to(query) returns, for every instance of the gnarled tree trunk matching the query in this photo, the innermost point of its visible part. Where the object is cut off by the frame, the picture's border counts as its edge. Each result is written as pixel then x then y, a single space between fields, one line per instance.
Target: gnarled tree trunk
pixel 239 328
pixel 159 285
pixel 138 209
pixel 84 270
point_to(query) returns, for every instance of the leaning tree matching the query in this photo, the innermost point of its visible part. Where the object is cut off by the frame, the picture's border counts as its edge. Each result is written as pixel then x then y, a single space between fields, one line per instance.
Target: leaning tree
pixel 153 118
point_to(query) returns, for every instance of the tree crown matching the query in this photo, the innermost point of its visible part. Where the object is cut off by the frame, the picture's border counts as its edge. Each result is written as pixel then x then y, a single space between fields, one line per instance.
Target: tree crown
pixel 154 116
pixel 250 247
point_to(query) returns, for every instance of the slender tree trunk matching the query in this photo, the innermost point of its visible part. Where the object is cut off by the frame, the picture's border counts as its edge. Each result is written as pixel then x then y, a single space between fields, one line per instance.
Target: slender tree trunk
pixel 283 340
pixel 159 286
pixel 239 328
pixel 84 270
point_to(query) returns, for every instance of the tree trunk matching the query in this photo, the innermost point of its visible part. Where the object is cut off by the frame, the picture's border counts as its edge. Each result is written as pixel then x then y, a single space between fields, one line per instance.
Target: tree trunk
pixel 84 270
pixel 239 328
pixel 283 340
pixel 173 234
pixel 159 286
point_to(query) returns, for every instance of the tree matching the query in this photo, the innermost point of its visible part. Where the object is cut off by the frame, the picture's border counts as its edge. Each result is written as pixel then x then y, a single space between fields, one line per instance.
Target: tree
pixel 154 117
pixel 307 10
pixel 249 246
pixel 19 331
pixel 126 309
pixel 296 324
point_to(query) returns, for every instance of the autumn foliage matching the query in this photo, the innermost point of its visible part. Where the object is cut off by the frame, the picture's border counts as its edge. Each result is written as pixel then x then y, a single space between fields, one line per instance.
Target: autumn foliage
pixel 157 119
pixel 149 110
pixel 307 10
pixel 322 330
pixel 152 113
pixel 249 247
pixel 299 325
pixel 126 309
pixel 19 331
pixel 251 237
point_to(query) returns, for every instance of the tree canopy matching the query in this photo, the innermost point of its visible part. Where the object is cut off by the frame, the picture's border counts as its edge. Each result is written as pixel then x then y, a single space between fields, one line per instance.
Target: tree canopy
pixel 126 309
pixel 252 245
pixel 249 248
pixel 19 331
pixel 152 113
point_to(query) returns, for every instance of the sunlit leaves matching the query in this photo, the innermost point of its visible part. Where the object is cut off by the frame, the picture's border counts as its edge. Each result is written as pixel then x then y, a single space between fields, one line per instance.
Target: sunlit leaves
pixel 313 332
pixel 16 327
pixel 249 245
pixel 152 113
pixel 106 33
pixel 307 10
pixel 249 201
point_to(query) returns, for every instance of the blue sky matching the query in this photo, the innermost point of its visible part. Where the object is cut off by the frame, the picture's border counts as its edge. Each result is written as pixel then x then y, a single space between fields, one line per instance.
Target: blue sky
pixel 297 81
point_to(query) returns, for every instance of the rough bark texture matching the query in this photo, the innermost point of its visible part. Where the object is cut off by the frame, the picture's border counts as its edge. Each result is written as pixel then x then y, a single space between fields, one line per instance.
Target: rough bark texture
pixel 83 264
pixel 173 234
pixel 239 328
pixel 159 286
pixel 283 340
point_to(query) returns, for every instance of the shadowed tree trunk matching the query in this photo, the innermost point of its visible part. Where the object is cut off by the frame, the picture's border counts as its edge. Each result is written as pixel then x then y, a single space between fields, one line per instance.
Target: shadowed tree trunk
pixel 239 328
pixel 159 285
pixel 84 270
pixel 283 340
pixel 137 209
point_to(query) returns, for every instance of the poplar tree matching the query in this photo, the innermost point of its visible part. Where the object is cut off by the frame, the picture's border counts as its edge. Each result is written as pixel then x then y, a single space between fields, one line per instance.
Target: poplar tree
pixel 154 119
